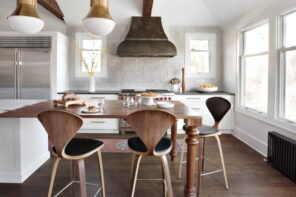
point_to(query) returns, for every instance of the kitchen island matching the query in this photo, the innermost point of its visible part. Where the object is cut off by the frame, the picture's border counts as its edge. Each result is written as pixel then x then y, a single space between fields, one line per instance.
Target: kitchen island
pixel 26 118
pixel 23 143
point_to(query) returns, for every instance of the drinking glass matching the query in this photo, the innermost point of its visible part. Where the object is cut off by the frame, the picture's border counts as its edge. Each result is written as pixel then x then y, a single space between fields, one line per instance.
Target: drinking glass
pixel 137 101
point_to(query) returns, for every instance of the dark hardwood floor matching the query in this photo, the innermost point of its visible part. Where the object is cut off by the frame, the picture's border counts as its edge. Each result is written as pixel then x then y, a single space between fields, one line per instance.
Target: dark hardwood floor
pixel 248 175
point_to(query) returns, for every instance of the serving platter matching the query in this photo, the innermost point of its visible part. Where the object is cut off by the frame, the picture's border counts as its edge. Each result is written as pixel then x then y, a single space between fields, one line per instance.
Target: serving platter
pixel 85 110
pixel 208 90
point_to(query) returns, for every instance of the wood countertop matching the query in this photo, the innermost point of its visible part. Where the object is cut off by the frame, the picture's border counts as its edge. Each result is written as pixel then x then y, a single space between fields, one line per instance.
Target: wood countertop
pixel 112 109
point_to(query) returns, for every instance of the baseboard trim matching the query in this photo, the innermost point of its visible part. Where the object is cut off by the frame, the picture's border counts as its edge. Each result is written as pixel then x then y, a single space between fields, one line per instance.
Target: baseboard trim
pixel 255 143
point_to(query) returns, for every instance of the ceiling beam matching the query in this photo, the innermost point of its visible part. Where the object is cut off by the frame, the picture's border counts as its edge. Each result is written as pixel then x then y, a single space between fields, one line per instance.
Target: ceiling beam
pixel 147 8
pixel 53 7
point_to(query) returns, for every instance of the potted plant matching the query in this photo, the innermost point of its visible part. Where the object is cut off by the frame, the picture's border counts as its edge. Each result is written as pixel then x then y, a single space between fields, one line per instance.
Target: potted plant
pixel 175 84
pixel 90 66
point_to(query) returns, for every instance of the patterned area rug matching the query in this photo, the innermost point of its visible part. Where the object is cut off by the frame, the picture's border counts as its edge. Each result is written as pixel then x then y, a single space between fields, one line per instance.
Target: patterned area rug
pixel 120 145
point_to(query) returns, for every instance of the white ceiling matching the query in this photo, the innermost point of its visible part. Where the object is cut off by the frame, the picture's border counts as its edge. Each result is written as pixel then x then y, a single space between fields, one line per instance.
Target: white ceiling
pixel 173 12
pixel 227 10
pixel 184 12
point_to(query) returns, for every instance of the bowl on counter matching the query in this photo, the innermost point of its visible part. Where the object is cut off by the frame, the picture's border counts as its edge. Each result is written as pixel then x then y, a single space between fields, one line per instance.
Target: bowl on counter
pixel 165 105
pixel 207 88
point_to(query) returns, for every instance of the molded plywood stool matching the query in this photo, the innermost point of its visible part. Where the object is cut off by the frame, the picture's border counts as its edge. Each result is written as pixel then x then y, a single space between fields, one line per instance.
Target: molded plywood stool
pixel 61 127
pixel 218 107
pixel 150 127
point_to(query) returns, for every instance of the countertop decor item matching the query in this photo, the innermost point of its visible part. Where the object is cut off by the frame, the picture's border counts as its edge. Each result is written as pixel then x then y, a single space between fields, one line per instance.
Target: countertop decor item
pixel 90 64
pixel 25 18
pixel 98 21
pixel 175 84
pixel 183 80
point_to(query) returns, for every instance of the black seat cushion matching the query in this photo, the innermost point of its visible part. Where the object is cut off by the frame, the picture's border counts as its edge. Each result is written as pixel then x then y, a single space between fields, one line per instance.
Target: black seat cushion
pixel 137 144
pixel 204 130
pixel 80 146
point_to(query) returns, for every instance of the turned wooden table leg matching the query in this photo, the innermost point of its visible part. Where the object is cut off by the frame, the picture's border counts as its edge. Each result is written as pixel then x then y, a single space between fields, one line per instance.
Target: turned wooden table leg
pixel 192 141
pixel 174 140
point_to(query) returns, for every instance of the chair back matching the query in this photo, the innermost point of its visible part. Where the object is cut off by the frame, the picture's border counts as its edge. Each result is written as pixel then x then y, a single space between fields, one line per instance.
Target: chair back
pixel 218 107
pixel 61 127
pixel 150 126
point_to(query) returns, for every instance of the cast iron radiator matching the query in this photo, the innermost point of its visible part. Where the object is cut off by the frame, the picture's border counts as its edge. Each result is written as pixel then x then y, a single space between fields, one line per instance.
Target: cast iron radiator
pixel 282 154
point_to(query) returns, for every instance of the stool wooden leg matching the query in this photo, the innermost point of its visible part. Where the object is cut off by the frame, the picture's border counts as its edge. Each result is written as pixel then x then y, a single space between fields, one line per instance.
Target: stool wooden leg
pixel 72 162
pixel 133 163
pixel 81 168
pixel 222 161
pixel 182 157
pixel 165 190
pixel 101 173
pixel 135 174
pixel 165 165
pixel 53 175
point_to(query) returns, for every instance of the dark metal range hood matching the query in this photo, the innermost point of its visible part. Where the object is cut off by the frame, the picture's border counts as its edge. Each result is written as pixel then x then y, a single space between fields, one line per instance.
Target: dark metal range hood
pixel 146 38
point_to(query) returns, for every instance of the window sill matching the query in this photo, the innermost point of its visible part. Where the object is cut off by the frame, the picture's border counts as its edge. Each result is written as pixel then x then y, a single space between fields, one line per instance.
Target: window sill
pixel 276 122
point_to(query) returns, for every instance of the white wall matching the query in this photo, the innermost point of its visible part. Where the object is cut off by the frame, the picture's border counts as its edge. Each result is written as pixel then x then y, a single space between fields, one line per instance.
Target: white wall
pixel 250 129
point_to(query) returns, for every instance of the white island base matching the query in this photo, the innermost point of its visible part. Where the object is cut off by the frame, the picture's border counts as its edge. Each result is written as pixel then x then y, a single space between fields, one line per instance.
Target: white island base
pixel 23 148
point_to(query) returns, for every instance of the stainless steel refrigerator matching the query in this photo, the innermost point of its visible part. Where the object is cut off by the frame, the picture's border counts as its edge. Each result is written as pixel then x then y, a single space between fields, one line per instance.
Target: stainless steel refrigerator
pixel 25 73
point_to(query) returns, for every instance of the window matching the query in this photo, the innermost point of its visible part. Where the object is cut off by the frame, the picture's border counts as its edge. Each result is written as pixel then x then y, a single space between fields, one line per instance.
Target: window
pixel 288 68
pixel 90 57
pixel 200 54
pixel 254 68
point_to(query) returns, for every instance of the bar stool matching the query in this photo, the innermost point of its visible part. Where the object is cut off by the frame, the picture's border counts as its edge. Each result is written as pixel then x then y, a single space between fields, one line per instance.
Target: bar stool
pixel 218 107
pixel 61 127
pixel 150 127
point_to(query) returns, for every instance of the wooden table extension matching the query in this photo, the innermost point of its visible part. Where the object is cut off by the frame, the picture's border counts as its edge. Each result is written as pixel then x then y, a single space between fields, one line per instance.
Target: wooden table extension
pixel 115 109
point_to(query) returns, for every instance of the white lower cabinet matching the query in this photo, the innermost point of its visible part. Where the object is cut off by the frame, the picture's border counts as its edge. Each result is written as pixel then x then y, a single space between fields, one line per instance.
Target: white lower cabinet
pixel 198 104
pixel 99 125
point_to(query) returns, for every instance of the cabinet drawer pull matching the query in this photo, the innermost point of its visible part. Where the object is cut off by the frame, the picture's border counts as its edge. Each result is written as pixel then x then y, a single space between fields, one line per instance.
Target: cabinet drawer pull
pixel 193 98
pixel 97 97
pixel 196 108
pixel 98 122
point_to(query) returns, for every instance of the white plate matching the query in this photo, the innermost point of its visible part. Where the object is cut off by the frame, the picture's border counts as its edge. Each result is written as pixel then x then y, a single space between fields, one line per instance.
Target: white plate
pixel 85 110
pixel 207 89
pixel 165 105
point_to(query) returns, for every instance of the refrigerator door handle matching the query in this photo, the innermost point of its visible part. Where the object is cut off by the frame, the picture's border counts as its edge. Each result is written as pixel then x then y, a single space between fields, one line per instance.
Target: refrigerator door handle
pixel 16 74
pixel 19 75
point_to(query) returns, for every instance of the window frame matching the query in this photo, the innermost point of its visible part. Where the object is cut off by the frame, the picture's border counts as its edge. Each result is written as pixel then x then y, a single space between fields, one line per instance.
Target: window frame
pixel 212 38
pixel 79 37
pixel 241 69
pixel 280 115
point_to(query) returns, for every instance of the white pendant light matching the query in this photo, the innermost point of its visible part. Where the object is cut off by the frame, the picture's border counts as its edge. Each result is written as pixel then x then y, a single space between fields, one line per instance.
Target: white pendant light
pixel 98 21
pixel 25 18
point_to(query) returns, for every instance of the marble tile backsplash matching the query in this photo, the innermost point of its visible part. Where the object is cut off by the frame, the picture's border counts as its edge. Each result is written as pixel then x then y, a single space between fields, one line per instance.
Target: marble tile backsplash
pixel 144 73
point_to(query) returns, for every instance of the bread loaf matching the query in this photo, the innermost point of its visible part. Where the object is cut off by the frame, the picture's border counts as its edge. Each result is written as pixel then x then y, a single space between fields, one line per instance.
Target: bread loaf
pixel 69 97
